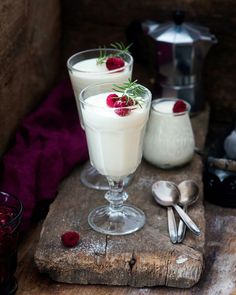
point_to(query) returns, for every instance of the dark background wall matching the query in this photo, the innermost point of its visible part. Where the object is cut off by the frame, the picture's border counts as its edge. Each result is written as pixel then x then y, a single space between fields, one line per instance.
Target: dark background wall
pixel 89 23
pixel 37 37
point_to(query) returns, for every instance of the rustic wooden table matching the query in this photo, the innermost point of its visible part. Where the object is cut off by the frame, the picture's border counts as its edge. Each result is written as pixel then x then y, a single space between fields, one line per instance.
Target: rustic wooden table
pixel 219 276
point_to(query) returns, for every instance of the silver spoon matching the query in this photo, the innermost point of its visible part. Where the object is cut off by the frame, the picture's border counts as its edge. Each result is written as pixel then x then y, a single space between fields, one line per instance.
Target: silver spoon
pixel 172 227
pixel 189 192
pixel 166 193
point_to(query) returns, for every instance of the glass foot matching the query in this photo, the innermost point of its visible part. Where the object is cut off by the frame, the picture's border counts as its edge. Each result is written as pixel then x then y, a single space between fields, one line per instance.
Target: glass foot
pixel 92 179
pixel 107 221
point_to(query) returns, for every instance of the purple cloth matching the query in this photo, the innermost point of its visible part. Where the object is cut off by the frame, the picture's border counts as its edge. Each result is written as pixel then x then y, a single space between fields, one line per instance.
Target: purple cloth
pixel 48 144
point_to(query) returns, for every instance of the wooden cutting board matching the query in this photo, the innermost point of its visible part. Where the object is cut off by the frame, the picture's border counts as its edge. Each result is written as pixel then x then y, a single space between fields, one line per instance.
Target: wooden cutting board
pixel 144 258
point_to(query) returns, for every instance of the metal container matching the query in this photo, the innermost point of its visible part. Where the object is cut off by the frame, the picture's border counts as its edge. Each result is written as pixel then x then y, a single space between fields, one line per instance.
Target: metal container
pixel 178 57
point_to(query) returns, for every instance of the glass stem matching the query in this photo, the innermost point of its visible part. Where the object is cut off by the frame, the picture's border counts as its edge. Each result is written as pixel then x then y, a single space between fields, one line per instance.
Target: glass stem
pixel 116 196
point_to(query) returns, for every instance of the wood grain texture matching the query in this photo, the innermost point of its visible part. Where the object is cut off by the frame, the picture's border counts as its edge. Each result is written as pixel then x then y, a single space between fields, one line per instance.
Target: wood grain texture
pixel 145 258
pixel 219 275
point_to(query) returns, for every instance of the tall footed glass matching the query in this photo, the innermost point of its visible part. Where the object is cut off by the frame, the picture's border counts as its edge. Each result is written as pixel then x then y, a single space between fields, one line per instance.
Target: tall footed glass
pixel 85 69
pixel 115 139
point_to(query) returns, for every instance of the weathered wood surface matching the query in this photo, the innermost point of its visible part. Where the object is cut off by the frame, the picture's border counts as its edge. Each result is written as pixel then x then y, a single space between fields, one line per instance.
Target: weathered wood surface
pixel 218 278
pixel 145 258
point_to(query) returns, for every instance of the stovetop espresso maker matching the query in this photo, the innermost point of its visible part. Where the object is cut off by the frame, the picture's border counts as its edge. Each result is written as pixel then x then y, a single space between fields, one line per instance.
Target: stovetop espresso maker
pixel 176 50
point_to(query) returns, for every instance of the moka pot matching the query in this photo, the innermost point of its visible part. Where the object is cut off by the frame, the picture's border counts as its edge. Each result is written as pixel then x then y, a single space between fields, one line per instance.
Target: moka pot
pixel 178 52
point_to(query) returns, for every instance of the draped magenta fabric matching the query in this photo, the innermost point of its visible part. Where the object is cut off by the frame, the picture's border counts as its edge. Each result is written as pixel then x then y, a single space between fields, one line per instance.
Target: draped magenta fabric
pixel 48 144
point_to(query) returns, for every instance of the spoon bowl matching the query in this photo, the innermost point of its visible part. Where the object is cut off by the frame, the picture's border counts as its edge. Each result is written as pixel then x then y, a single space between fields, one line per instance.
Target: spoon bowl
pixel 165 193
pixel 189 192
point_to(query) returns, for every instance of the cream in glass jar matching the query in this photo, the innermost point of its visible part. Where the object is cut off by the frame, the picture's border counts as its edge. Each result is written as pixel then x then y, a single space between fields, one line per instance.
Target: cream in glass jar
pixel 169 140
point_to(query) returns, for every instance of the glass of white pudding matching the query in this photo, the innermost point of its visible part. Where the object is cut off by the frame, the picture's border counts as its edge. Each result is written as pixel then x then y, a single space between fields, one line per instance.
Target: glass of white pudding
pixel 169 139
pixel 88 68
pixel 115 139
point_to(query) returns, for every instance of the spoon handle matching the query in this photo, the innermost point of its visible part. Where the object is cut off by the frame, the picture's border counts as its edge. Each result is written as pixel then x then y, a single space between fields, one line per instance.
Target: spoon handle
pixel 181 228
pixel 172 225
pixel 187 220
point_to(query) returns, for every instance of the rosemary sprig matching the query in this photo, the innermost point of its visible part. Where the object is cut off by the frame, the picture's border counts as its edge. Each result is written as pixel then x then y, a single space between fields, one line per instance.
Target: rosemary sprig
pixel 102 55
pixel 117 45
pixel 132 90
pixel 121 46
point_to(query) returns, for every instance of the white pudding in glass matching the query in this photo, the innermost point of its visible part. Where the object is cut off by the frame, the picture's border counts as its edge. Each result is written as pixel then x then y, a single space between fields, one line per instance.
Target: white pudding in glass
pixel 114 142
pixel 89 67
pixel 88 72
pixel 115 118
pixel 169 140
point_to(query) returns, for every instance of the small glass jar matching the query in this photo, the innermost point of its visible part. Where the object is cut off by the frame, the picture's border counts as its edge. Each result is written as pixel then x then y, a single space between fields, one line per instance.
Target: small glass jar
pixel 169 140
